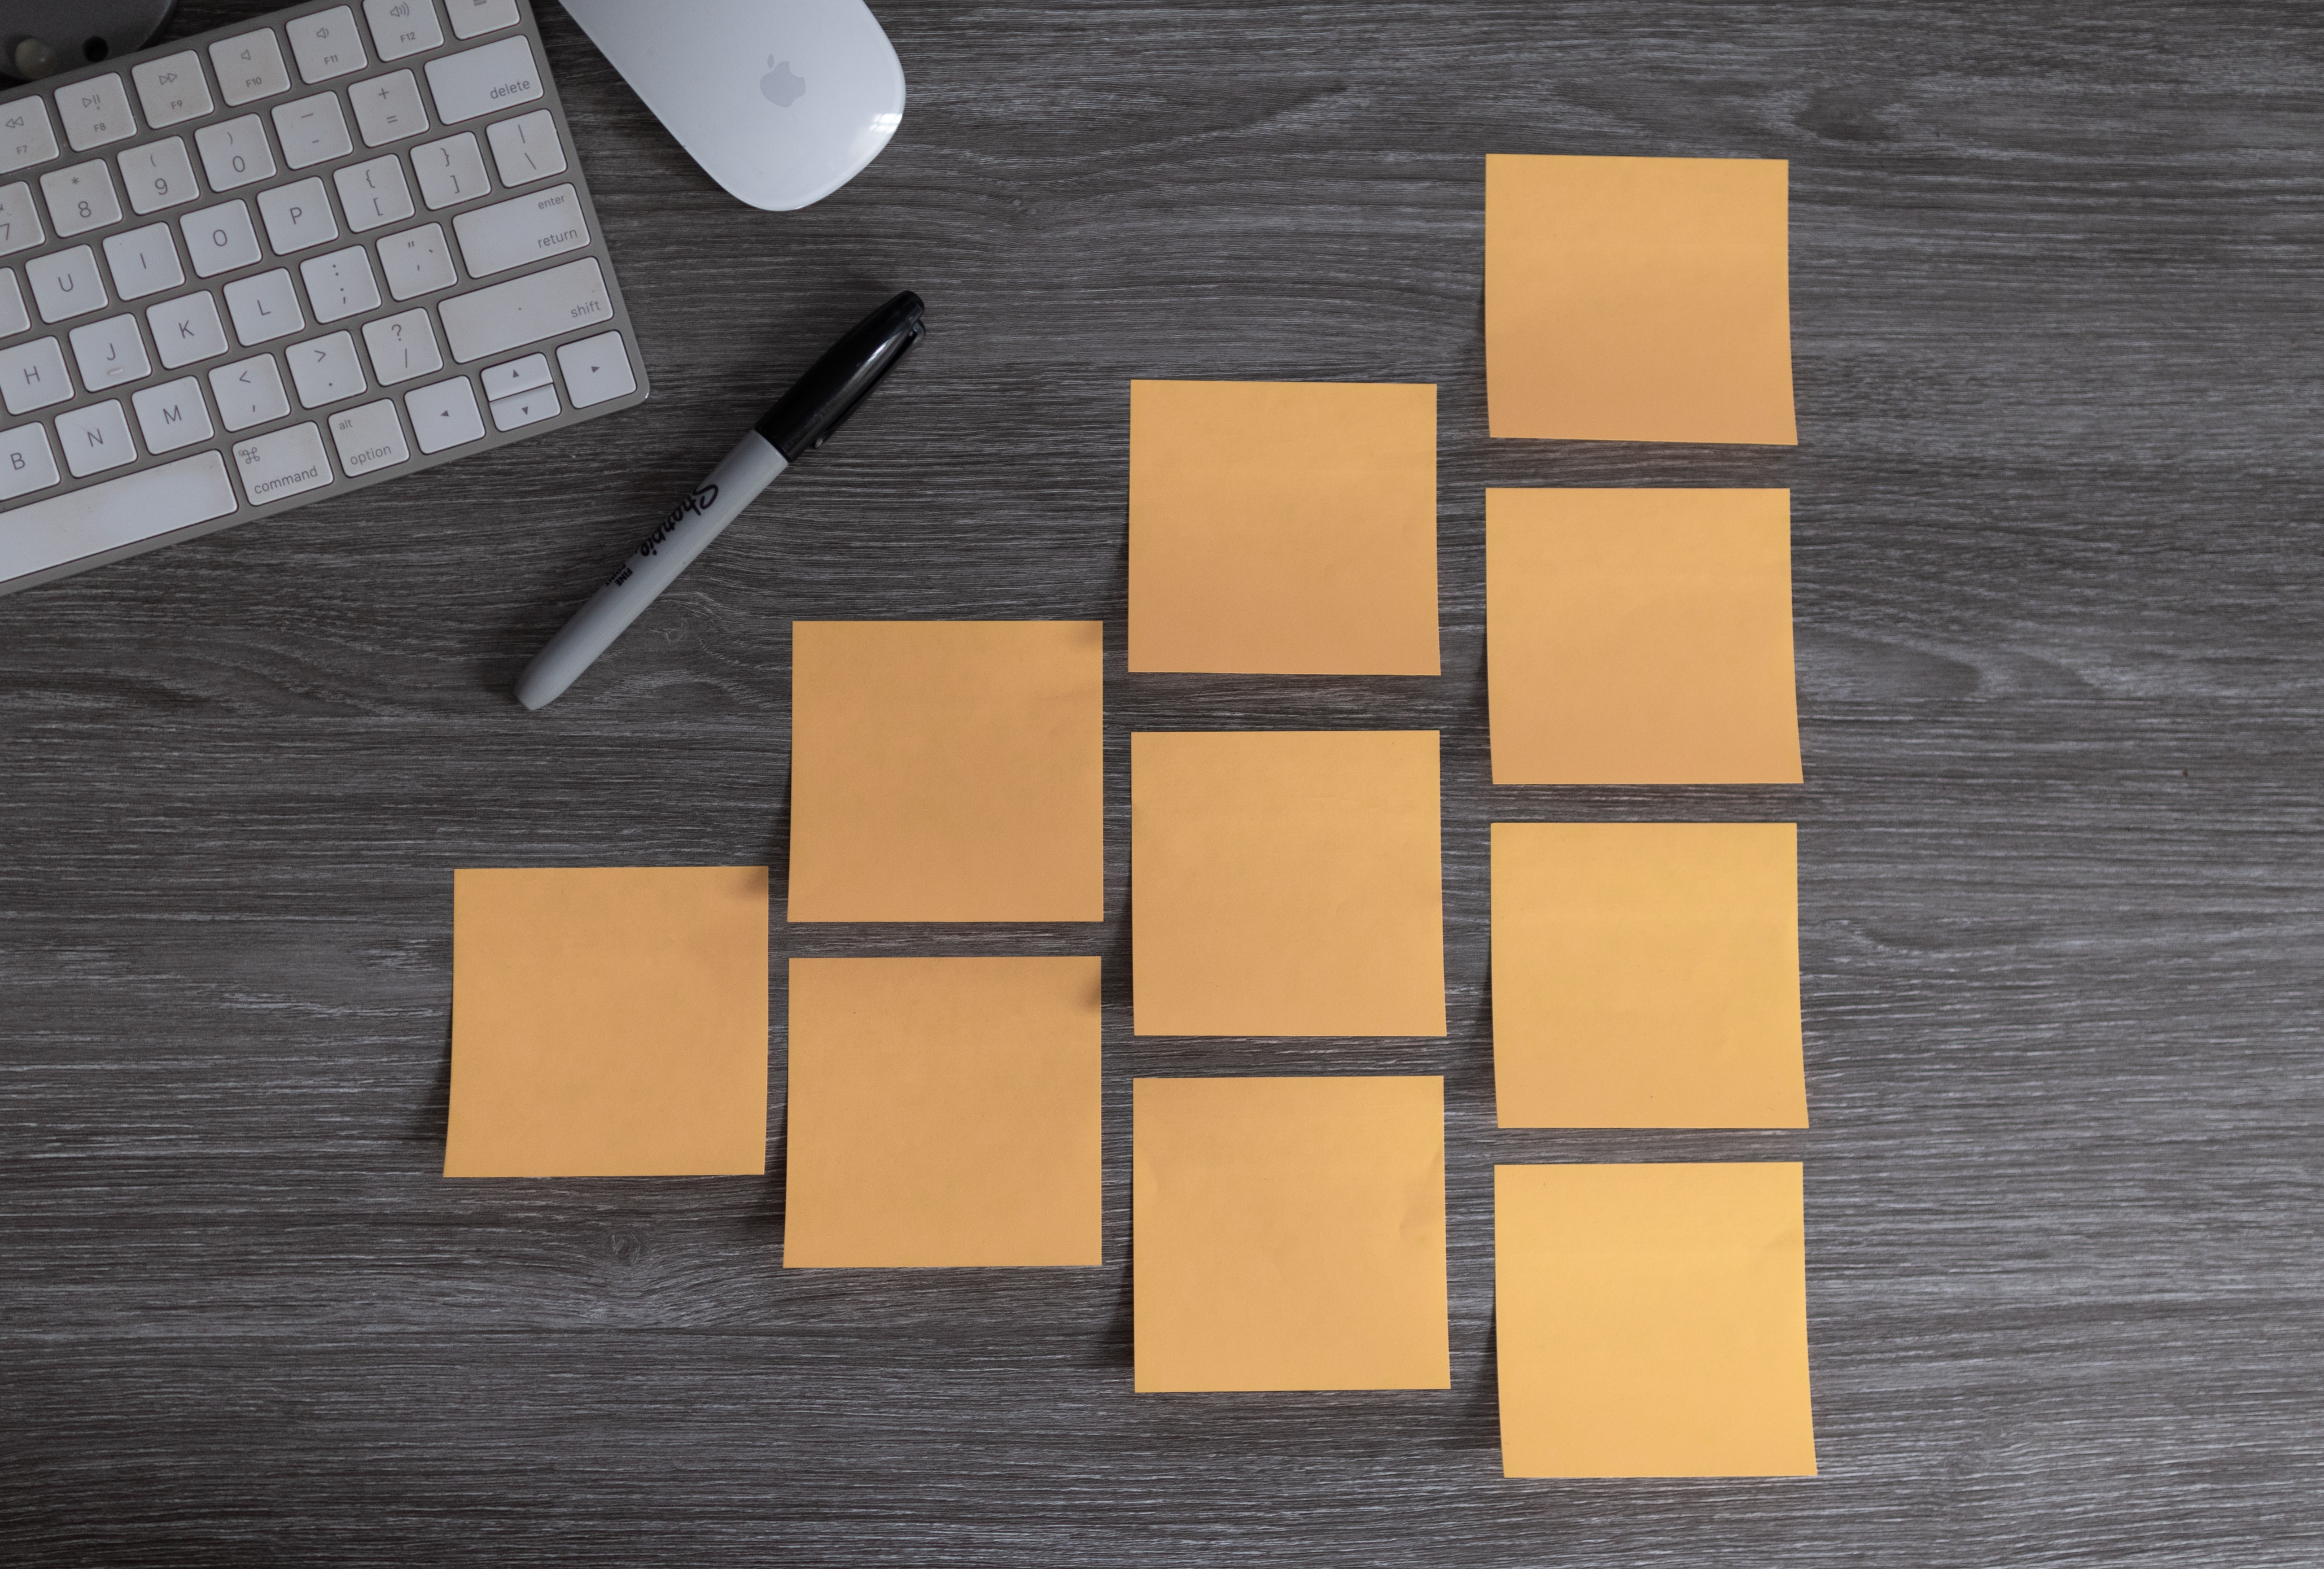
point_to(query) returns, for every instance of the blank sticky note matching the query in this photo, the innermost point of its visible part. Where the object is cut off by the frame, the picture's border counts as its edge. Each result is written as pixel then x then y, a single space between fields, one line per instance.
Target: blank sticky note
pixel 1640 637
pixel 1289 1234
pixel 948 770
pixel 1283 528
pixel 1287 883
pixel 943 1112
pixel 1639 299
pixel 608 1021
pixel 1646 975
pixel 1652 1321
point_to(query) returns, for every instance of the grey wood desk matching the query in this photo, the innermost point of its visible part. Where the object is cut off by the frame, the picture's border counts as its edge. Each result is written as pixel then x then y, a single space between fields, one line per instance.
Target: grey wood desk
pixel 2058 591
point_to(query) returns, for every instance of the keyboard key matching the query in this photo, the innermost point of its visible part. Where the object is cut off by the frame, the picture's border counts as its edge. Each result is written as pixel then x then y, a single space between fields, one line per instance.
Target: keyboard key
pixel 65 284
pixel 597 370
pixel 445 415
pixel 326 44
pixel 172 415
pixel 110 353
pixel 523 310
pixel 449 170
pixel 95 437
pixel 219 239
pixel 297 216
pixel 474 18
pixel 80 198
pixel 525 408
pixel 249 393
pixel 264 308
pixel 186 331
pixel 372 194
pixel 281 464
pixel 312 130
pixel 25 135
pixel 142 262
pixel 527 148
pixel 369 437
pixel 20 221
pixel 387 109
pixel 159 175
pixel 13 318
pixel 416 262
pixel 235 153
pixel 324 369
pixel 401 27
pixel 136 507
pixel 250 67
pixel 401 347
pixel 173 88
pixel 531 228
pixel 96 112
pixel 340 284
pixel 32 376
pixel 516 376
pixel 479 82
pixel 27 462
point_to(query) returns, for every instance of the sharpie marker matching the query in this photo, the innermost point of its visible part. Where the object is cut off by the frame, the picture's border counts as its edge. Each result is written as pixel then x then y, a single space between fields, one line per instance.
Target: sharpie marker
pixel 804 419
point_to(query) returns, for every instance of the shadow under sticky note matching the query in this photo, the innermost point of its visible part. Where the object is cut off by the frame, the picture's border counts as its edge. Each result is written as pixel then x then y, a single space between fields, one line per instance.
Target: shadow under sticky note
pixel 1283 528
pixel 1640 637
pixel 1652 1320
pixel 1646 975
pixel 948 770
pixel 1289 1234
pixel 608 1021
pixel 1287 883
pixel 943 1112
pixel 1639 299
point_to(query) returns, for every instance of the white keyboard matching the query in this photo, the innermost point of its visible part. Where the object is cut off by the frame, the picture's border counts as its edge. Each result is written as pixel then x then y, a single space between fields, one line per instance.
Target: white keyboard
pixel 242 272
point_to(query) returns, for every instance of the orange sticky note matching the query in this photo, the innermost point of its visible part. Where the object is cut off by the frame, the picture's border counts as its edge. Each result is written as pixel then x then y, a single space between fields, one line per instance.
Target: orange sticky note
pixel 1652 1320
pixel 1639 299
pixel 943 1112
pixel 948 770
pixel 1640 637
pixel 1289 1233
pixel 1646 975
pixel 608 1021
pixel 1283 528
pixel 1287 883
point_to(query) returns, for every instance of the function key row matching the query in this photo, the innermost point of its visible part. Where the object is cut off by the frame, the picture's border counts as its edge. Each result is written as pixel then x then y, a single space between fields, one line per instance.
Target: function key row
pixel 325 44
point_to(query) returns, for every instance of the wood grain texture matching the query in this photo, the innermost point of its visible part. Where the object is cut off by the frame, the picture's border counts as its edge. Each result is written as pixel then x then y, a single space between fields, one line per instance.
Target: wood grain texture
pixel 2060 607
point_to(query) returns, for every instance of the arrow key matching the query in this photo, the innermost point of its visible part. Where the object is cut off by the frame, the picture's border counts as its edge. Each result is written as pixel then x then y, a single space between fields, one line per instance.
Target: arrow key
pixel 597 369
pixel 445 415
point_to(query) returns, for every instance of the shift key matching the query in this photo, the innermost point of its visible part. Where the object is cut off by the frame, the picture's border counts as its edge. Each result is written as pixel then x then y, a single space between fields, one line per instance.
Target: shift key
pixel 525 310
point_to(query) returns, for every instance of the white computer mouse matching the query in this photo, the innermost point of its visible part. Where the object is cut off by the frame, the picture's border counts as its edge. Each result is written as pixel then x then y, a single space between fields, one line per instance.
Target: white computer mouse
pixel 781 101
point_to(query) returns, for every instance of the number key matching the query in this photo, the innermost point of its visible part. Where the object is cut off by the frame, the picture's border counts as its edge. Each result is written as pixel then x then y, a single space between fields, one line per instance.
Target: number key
pixel 235 152
pixel 20 220
pixel 81 198
pixel 159 175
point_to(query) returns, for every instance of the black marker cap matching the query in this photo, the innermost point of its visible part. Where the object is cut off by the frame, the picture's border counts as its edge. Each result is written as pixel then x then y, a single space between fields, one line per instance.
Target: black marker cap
pixel 820 401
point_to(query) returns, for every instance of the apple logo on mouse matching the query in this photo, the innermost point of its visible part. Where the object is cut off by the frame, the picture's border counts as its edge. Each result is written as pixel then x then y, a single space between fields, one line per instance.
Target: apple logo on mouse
pixel 782 85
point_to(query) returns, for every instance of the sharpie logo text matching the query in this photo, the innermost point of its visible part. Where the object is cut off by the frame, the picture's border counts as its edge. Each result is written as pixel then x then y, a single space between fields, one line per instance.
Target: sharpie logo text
pixel 695 505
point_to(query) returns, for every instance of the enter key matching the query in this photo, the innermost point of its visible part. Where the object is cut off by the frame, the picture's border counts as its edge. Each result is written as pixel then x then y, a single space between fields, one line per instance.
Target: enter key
pixel 529 228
